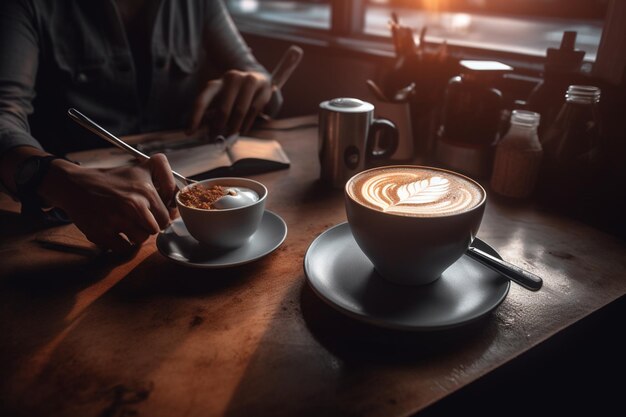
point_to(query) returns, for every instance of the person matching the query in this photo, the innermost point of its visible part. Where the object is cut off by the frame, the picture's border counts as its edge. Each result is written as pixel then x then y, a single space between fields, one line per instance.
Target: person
pixel 133 66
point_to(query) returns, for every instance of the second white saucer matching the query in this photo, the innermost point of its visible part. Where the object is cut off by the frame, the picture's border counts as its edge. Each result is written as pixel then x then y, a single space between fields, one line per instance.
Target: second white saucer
pixel 177 244
pixel 342 276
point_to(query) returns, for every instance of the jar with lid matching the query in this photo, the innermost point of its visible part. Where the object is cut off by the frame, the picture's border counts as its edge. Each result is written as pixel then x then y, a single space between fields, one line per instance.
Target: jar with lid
pixel 518 157
pixel 471 117
pixel 572 148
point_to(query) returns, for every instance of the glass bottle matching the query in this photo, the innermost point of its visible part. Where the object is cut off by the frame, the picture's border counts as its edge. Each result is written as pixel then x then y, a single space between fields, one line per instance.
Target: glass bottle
pixel 562 69
pixel 518 157
pixel 572 149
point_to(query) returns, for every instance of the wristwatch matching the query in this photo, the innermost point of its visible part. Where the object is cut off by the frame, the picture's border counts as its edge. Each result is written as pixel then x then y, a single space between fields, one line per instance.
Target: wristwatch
pixel 28 177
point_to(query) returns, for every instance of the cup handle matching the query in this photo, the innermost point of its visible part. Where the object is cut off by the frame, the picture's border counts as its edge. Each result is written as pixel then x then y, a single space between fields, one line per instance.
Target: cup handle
pixel 382 140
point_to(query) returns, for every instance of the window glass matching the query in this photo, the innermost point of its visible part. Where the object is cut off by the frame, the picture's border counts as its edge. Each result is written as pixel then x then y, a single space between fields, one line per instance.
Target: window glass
pixel 518 26
pixel 309 13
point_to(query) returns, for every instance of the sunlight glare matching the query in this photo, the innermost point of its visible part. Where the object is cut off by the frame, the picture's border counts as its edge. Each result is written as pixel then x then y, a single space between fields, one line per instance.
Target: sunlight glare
pixel 460 22
pixel 249 6
pixel 434 5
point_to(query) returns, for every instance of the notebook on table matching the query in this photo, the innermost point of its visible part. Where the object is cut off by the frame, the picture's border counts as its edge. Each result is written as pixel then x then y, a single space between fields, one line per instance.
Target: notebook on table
pixel 194 156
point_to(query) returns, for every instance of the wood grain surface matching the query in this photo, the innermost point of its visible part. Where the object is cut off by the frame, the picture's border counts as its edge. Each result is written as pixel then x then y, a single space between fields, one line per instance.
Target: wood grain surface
pixel 85 334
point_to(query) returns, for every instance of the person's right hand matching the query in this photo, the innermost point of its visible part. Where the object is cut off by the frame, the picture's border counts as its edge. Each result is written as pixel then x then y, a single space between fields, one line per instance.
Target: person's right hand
pixel 231 104
pixel 118 208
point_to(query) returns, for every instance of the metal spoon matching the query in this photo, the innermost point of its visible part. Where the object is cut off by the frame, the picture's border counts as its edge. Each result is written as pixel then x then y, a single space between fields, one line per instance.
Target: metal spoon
pixel 404 93
pixel 93 127
pixel 516 274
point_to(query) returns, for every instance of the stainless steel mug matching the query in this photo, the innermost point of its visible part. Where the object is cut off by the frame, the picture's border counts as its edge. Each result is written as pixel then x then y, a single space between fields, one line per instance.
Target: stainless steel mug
pixel 351 139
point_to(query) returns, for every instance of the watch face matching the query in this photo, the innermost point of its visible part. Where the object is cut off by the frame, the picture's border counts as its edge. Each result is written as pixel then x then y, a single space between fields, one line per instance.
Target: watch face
pixel 26 171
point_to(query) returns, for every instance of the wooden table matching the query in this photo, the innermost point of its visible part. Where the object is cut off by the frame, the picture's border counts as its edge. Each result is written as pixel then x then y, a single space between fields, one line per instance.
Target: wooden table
pixel 87 335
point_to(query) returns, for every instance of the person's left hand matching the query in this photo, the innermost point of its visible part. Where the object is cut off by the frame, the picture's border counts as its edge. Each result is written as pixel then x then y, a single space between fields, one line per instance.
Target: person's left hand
pixel 231 103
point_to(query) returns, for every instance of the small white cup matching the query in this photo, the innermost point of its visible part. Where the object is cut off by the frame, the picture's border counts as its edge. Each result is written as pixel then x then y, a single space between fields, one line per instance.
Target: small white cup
pixel 224 228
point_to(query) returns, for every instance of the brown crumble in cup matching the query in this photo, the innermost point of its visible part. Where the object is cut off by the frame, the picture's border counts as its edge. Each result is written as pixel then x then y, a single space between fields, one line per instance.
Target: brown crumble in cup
pixel 202 197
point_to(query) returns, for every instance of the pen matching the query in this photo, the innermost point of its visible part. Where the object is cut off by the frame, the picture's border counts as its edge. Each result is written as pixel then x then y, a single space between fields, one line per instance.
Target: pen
pixel 283 70
pixel 228 142
pixel 287 64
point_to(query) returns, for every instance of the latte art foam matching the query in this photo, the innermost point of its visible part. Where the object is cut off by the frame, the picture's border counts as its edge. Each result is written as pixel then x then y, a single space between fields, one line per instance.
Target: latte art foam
pixel 420 192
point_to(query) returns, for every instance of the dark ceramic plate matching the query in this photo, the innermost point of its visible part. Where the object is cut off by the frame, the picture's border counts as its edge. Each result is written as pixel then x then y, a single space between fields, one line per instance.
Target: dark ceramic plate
pixel 344 277
pixel 177 244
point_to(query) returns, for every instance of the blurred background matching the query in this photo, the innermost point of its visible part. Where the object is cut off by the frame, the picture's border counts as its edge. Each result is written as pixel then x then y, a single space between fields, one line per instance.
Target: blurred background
pixel 524 26
pixel 548 45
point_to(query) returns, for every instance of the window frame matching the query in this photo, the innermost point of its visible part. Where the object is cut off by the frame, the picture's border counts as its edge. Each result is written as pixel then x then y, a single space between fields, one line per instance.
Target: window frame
pixel 347 24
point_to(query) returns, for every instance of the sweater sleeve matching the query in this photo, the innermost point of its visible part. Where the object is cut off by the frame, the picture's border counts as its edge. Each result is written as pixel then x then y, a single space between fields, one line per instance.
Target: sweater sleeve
pixel 224 42
pixel 229 50
pixel 18 69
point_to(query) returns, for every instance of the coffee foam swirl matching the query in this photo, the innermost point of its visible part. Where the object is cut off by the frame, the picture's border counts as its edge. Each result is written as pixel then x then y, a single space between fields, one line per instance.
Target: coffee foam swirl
pixel 415 192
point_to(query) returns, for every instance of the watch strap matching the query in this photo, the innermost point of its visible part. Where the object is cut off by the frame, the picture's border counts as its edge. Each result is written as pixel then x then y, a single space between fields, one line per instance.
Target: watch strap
pixel 27 190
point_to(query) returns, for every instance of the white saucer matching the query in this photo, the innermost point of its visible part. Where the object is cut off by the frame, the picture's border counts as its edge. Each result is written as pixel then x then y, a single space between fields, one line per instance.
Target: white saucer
pixel 344 277
pixel 177 244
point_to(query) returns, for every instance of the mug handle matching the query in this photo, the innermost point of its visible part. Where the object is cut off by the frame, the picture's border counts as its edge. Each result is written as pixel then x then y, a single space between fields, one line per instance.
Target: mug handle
pixel 382 140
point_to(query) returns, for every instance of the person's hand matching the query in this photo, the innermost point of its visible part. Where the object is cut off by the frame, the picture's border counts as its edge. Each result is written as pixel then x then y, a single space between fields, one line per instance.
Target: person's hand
pixel 230 104
pixel 118 208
